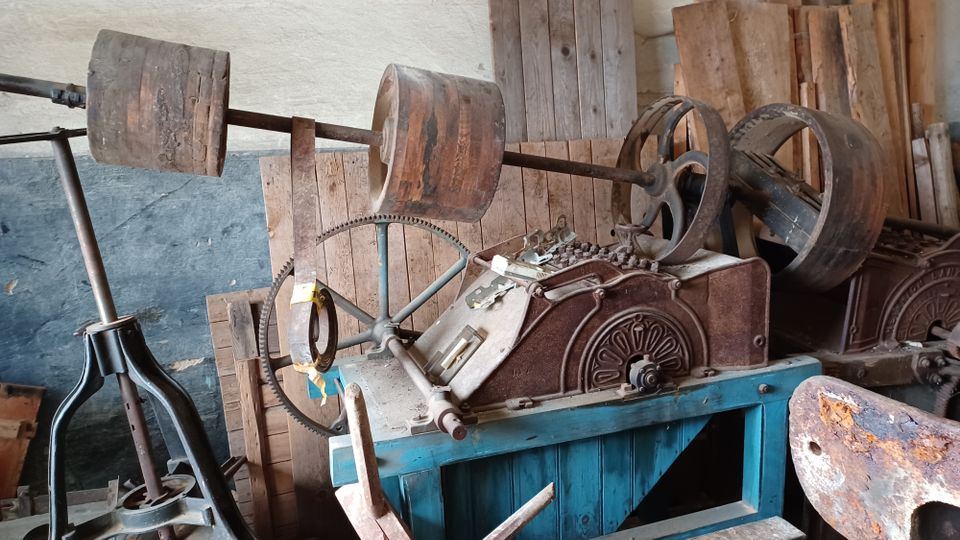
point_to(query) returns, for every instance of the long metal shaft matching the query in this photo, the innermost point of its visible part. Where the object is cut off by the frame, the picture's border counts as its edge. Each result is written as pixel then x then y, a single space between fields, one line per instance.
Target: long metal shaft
pixel 92 260
pixel 75 96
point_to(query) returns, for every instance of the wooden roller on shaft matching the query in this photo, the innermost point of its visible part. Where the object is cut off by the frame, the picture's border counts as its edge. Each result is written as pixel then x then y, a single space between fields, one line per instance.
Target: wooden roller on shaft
pixel 436 147
pixel 157 105
pixel 441 147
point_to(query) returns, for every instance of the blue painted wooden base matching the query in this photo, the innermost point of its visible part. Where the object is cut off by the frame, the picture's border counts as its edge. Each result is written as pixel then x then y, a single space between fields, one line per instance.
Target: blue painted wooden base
pixel 604 458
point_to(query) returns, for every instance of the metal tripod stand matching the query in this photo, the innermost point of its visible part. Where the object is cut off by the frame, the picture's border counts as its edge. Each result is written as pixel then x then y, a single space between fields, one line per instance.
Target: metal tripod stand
pixel 196 494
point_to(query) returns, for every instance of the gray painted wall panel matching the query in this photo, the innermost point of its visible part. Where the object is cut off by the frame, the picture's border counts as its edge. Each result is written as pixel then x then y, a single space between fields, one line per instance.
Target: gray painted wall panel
pixel 168 240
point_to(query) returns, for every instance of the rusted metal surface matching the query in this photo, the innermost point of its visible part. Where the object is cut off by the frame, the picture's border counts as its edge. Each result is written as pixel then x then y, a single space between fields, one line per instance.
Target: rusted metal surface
pixel 887 325
pixel 442 144
pixel 599 312
pixel 868 463
pixel 842 225
pixel 642 206
pixel 157 105
pixel 365 504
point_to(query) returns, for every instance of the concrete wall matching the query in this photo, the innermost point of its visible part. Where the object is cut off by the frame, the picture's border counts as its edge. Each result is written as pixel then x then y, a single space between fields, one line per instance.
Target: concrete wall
pixel 315 58
pixel 168 240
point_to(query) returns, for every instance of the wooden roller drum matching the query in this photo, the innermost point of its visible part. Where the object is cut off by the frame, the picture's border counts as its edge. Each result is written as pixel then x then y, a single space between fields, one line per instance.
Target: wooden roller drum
pixel 157 105
pixel 441 146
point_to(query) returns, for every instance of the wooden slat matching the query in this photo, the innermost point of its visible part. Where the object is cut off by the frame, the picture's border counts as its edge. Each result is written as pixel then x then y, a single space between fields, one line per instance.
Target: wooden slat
pixel 254 435
pixel 421 272
pixel 810 163
pixel 563 60
pixel 708 57
pixel 508 65
pixel 537 71
pixel 828 61
pixel 801 43
pixel 765 58
pixel 887 27
pixel 617 459
pixel 681 134
pixel 867 98
pixel 944 182
pixel 470 235
pixel 512 211
pixel 533 470
pixel 580 467
pixel 337 249
pixel 363 239
pixel 922 57
pixel 491 223
pixel 926 196
pixel 399 279
pixel 559 193
pixel 619 66
pixel 443 257
pixel 604 152
pixel 535 203
pixel 590 68
pixel 581 187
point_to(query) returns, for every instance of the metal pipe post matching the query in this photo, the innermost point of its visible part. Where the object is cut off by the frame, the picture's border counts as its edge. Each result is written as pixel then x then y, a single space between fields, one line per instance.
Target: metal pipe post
pixel 90 250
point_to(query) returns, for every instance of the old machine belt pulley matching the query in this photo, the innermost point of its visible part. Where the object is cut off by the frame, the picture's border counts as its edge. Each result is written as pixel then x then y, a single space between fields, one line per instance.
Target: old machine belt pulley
pixel 436 151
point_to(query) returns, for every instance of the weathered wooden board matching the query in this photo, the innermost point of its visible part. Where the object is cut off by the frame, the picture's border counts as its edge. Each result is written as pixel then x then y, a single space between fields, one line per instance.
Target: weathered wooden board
pixel 921 47
pixel 868 102
pixel 507 62
pixel 566 68
pixel 537 70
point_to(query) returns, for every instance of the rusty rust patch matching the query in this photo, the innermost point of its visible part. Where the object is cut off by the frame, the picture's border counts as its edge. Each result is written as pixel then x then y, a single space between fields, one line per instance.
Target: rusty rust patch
pixel 836 411
pixel 867 462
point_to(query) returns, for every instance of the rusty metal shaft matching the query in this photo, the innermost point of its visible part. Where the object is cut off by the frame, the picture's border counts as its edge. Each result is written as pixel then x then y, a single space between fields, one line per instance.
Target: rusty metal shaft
pixel 75 96
pixel 92 260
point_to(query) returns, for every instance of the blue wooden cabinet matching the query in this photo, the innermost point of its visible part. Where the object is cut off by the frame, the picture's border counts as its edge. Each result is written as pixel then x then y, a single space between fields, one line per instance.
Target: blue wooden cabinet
pixel 604 456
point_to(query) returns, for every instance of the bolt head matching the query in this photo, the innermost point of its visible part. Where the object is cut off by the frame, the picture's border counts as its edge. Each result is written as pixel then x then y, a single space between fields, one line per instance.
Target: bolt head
pixel 764 388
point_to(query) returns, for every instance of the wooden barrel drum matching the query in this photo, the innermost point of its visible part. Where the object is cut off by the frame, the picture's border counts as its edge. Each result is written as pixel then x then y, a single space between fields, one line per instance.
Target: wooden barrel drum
pixel 157 105
pixel 442 145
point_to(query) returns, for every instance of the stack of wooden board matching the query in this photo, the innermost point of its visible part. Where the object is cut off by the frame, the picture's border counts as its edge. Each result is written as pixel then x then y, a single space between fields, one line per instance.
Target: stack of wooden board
pixel 867 59
pixel 567 69
pixel 256 424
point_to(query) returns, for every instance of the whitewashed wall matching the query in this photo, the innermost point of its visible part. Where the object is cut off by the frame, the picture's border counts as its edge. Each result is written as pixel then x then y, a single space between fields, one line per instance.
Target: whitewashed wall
pixel 319 58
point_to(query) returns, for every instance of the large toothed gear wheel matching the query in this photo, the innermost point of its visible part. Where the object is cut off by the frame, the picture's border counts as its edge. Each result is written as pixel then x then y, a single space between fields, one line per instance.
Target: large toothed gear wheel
pixel 676 176
pixel 375 326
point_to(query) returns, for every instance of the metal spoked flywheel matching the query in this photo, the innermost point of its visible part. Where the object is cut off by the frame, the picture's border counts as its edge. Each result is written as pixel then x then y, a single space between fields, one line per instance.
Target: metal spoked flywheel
pixel 375 326
pixel 686 223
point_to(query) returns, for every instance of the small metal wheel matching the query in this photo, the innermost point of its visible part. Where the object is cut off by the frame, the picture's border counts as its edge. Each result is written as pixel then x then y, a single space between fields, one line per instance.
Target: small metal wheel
pixel 693 201
pixel 376 327
pixel 827 236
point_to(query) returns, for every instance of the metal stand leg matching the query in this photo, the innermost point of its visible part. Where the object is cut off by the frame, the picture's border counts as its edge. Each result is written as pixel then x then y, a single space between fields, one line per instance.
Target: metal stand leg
pixel 147 373
pixel 90 382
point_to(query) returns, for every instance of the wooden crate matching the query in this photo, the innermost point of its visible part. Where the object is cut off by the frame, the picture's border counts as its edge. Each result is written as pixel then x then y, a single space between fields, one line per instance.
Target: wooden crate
pixel 19 405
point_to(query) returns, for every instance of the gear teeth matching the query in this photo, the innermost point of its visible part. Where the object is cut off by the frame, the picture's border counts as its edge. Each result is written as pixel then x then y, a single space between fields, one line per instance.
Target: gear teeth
pixel 263 339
